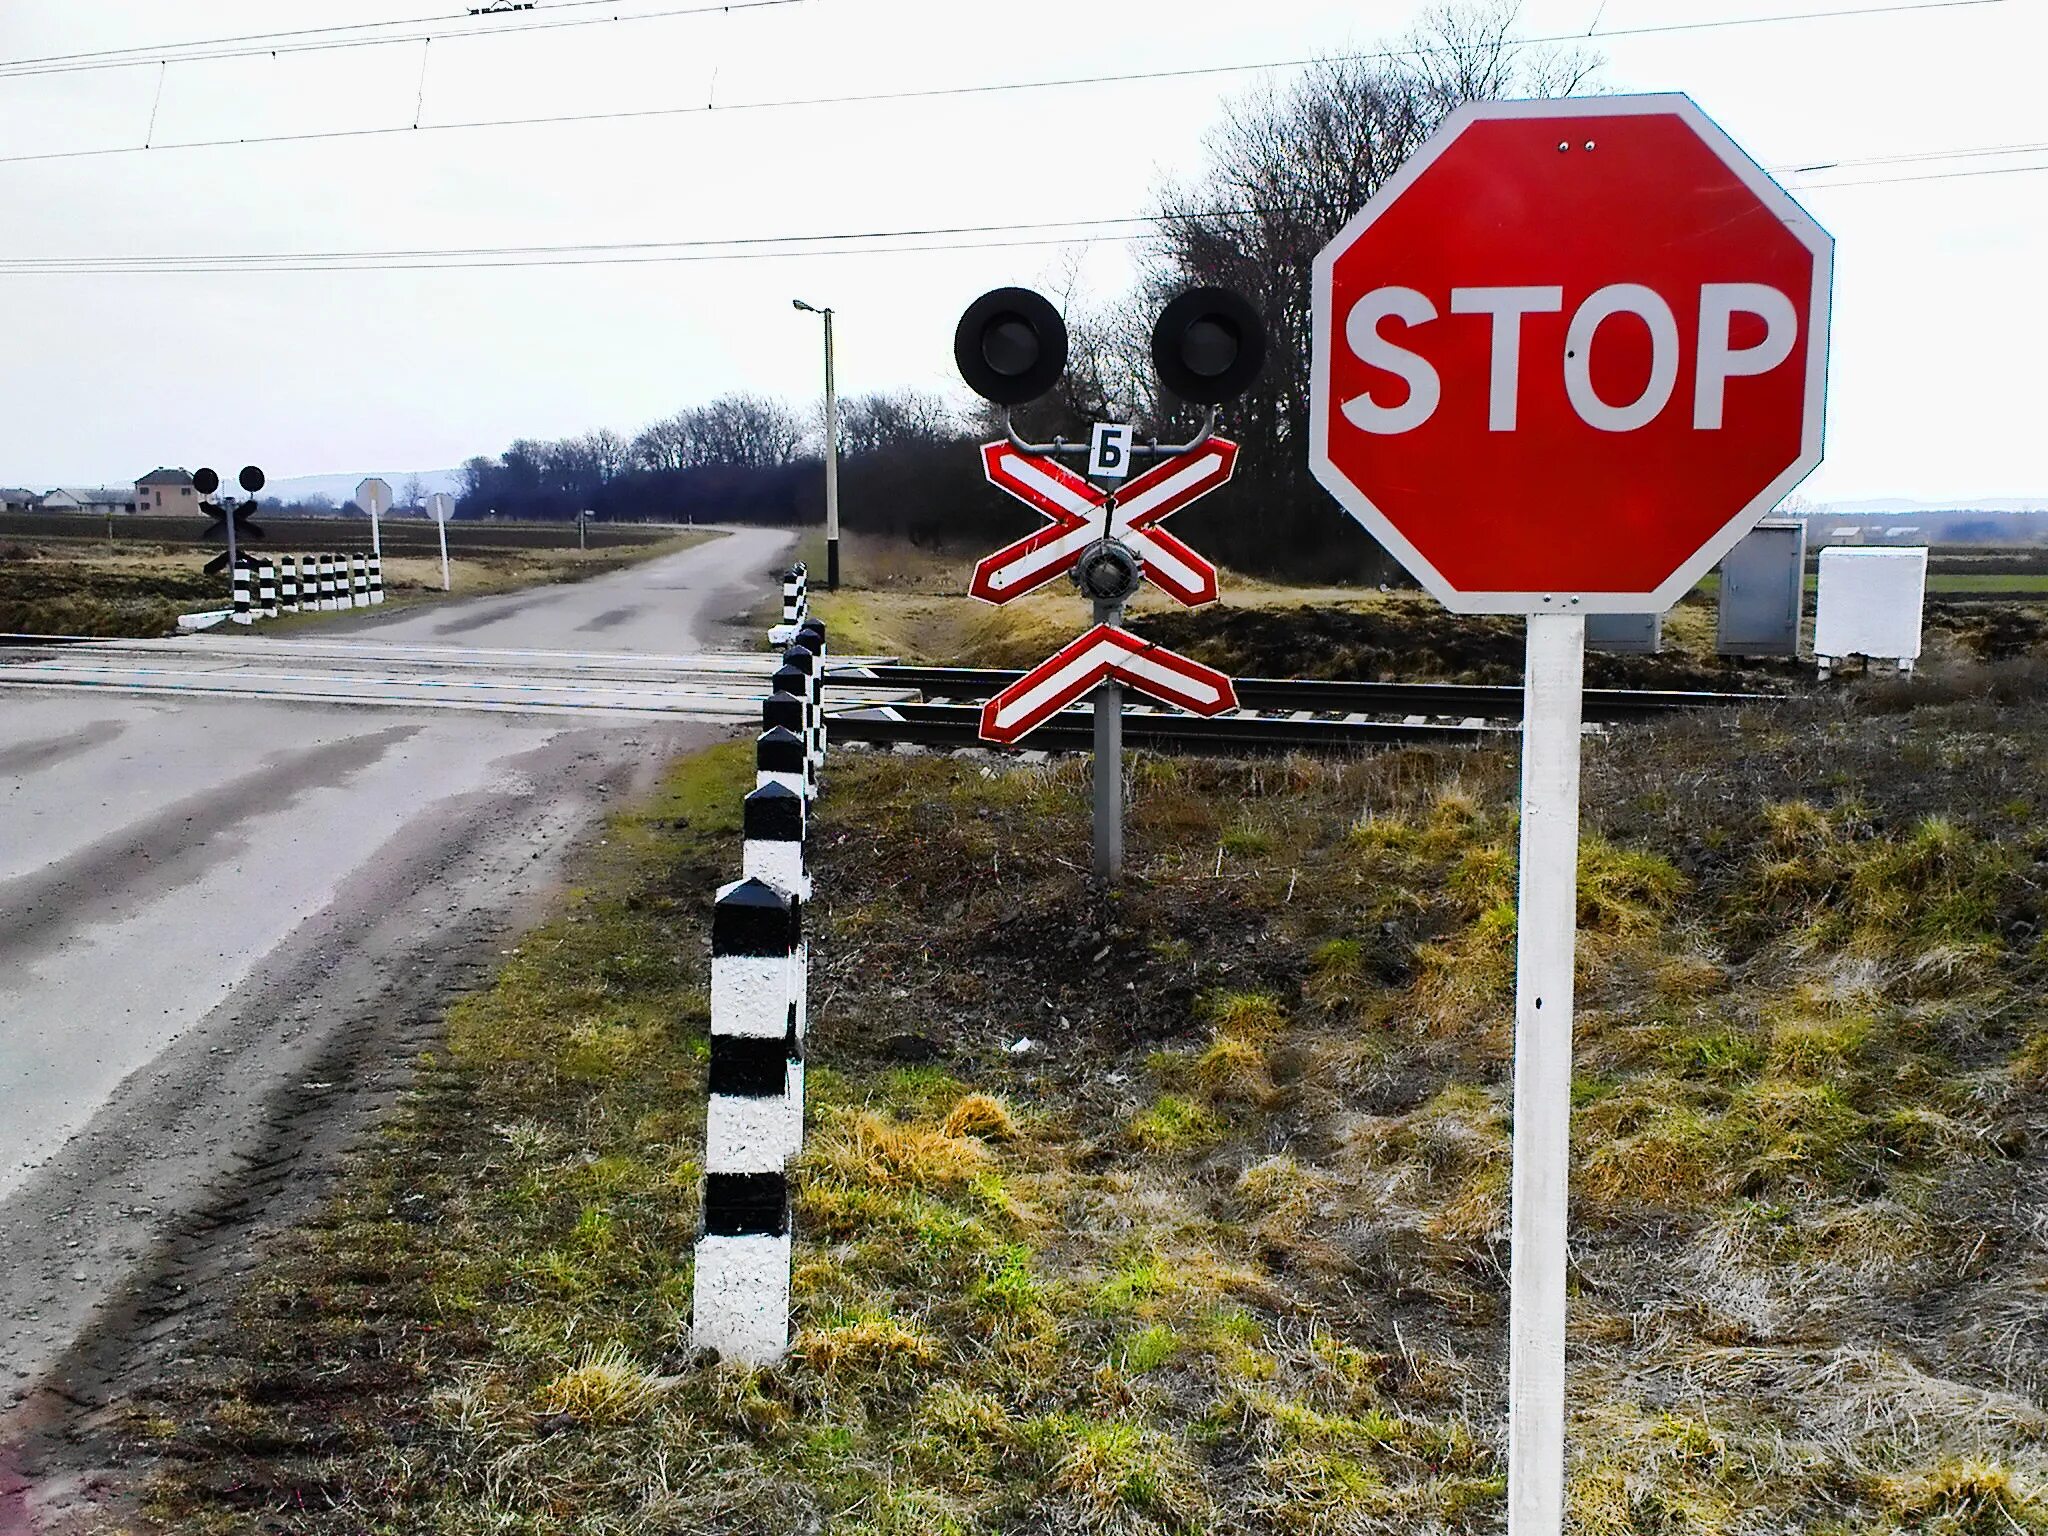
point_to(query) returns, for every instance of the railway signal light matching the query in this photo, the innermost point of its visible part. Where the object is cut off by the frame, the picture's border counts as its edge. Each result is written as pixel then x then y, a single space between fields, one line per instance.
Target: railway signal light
pixel 1208 346
pixel 1010 345
pixel 229 525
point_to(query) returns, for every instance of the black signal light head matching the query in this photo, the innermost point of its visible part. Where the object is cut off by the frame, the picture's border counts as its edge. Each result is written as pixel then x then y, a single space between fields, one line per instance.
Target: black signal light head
pixel 1208 346
pixel 251 478
pixel 1010 345
pixel 205 481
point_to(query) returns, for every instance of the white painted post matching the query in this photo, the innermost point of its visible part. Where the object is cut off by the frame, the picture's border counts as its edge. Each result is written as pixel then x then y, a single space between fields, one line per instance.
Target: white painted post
pixel 772 852
pixel 443 506
pixel 1546 911
pixel 741 1287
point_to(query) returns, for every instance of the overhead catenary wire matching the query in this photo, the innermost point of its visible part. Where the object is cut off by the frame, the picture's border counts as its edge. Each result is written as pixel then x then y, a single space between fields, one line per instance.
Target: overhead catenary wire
pixel 573 261
pixel 273 45
pixel 986 88
pixel 1114 228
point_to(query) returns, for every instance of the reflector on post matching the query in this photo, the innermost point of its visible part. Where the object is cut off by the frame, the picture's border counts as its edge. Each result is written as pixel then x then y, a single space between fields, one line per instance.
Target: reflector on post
pixel 1208 346
pixel 1010 345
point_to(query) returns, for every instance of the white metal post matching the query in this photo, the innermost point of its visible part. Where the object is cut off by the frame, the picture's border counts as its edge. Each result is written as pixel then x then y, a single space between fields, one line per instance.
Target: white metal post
pixel 831 465
pixel 1547 930
pixel 441 524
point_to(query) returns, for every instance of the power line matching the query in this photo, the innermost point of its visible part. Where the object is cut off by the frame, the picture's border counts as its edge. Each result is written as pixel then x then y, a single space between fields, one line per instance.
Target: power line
pixel 869 242
pixel 1892 181
pixel 270 44
pixel 1910 157
pixel 588 247
pixel 87 269
pixel 990 88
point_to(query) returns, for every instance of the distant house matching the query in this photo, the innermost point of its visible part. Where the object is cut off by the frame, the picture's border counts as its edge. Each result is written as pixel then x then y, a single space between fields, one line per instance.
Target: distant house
pixel 99 502
pixel 15 499
pixel 166 490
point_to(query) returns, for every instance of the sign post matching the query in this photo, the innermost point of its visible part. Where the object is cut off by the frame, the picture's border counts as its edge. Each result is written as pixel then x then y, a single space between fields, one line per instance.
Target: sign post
pixel 442 506
pixel 1109 542
pixel 1570 353
pixel 374 497
pixel 229 522
pixel 1011 347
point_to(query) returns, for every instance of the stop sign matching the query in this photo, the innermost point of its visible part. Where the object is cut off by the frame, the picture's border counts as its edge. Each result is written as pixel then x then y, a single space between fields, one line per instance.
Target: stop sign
pixel 1569 354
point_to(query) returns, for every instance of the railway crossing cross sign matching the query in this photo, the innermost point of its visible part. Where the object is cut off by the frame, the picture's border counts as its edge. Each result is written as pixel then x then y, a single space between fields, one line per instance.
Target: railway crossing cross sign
pixel 1011 347
pixel 1106 653
pixel 1569 354
pixel 1078 519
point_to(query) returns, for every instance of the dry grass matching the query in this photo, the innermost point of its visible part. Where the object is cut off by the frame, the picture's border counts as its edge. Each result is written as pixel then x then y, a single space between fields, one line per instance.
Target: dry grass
pixel 1225 1250
pixel 77 587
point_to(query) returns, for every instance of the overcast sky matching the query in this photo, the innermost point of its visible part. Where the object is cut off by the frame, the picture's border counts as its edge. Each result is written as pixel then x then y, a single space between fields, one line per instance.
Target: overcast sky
pixel 1938 387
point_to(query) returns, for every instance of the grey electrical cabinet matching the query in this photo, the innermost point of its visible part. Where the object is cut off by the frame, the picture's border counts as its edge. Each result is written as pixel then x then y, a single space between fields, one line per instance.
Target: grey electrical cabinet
pixel 1763 592
pixel 1637 634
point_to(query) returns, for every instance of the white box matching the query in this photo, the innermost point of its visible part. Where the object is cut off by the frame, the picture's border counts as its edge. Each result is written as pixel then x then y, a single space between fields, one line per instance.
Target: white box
pixel 1869 604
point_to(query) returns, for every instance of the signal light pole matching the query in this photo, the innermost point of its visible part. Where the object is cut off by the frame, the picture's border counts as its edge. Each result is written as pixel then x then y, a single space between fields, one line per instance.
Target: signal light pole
pixel 1011 347
pixel 831 451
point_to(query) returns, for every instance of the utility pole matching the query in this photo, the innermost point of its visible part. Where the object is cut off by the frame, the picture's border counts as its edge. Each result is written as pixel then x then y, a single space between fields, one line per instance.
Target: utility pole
pixel 831 452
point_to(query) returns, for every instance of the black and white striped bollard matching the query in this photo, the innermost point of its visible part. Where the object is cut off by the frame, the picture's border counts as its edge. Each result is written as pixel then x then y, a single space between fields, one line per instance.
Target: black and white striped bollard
pixel 795 681
pixel 243 578
pixel 792 597
pixel 741 1289
pixel 358 583
pixel 772 839
pixel 266 586
pixel 773 822
pixel 288 583
pixel 376 578
pixel 791 712
pixel 807 661
pixel 779 758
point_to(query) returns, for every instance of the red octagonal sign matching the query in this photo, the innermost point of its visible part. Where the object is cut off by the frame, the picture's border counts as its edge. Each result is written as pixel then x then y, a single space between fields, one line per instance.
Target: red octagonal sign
pixel 1569 354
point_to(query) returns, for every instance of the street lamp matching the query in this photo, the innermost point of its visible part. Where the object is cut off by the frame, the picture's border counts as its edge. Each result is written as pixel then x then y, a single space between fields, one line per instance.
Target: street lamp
pixel 831 453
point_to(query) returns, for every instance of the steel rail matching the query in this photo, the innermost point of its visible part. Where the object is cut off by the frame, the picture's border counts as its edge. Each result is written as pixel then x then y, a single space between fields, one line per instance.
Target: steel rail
pixel 959 725
pixel 1449 700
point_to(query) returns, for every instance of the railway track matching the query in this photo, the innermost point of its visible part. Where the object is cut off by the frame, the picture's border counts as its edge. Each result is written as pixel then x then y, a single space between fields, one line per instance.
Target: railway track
pixel 868 699
pixel 1277 714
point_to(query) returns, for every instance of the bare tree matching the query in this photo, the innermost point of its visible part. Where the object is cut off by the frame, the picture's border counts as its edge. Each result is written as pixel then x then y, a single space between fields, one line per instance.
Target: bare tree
pixel 609 453
pixel 1288 168
pixel 664 444
pixel 412 493
pixel 747 430
pixel 893 419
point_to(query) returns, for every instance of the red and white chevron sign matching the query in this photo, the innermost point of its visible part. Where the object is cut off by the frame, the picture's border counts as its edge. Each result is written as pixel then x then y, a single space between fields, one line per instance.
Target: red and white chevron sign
pixel 1075 508
pixel 1104 652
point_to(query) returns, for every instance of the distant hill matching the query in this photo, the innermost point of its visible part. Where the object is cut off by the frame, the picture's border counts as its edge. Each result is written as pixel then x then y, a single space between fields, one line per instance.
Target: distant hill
pixel 1886 506
pixel 1921 523
pixel 341 488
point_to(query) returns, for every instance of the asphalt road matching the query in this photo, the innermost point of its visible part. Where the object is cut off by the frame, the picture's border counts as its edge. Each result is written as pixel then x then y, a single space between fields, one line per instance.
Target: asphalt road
pixel 224 923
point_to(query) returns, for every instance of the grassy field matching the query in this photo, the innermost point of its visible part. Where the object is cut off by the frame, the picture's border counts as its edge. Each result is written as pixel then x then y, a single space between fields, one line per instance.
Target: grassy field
pixel 1225 1249
pixel 76 584
pixel 910 602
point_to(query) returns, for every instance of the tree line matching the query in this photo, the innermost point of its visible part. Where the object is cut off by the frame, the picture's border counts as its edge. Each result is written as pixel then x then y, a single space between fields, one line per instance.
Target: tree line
pixel 1285 168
